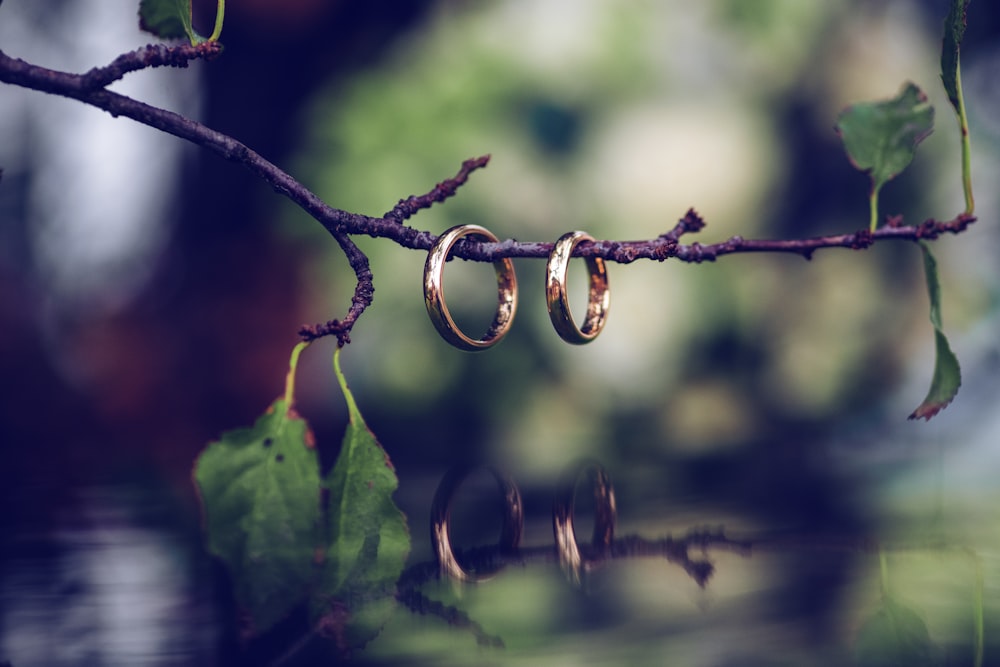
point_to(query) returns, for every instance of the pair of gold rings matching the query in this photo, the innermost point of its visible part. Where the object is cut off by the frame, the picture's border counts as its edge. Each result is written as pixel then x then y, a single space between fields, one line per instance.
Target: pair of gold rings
pixel 556 297
pixel 573 561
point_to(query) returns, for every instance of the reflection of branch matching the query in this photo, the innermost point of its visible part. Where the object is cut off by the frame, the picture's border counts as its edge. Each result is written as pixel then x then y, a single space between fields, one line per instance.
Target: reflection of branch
pixel 673 550
pixel 490 558
pixel 419 603
pixel 89 88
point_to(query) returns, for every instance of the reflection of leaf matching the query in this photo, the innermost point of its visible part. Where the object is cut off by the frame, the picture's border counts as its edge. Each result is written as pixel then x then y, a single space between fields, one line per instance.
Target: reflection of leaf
pixel 259 490
pixel 369 539
pixel 881 137
pixel 894 636
pixel 954 30
pixel 947 374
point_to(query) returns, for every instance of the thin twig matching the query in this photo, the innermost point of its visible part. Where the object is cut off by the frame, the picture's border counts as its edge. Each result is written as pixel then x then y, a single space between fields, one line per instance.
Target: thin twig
pixel 406 208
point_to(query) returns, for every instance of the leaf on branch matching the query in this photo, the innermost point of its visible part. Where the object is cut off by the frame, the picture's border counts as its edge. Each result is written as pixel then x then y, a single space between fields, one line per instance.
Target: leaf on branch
pixel 881 137
pixel 369 539
pixel 168 19
pixel 954 31
pixel 947 373
pixel 259 490
pixel 894 635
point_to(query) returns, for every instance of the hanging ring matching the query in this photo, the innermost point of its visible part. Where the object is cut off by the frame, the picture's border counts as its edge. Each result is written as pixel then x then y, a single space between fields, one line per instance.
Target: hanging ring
pixel 434 291
pixel 570 558
pixel 598 296
pixel 510 535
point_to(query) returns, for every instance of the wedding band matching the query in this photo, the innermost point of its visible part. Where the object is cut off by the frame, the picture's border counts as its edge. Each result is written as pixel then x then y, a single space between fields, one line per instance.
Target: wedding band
pixel 510 535
pixel 570 558
pixel 557 300
pixel 434 291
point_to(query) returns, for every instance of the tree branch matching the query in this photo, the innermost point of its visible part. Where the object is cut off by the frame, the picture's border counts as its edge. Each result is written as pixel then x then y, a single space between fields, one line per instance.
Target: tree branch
pixel 151 55
pixel 90 88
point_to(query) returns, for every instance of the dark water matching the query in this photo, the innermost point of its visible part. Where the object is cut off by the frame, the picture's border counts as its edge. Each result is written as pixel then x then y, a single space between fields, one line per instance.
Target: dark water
pixel 119 578
pixel 106 586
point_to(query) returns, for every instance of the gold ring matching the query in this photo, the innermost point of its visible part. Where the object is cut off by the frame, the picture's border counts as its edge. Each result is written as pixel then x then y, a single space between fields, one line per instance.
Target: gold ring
pixel 510 535
pixel 598 296
pixel 570 558
pixel 434 292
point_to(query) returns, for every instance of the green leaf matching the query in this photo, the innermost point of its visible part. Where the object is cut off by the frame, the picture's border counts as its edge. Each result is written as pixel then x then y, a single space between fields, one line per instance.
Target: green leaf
pixel 260 495
pixel 168 19
pixel 881 137
pixel 947 374
pixel 954 31
pixel 259 490
pixel 369 539
pixel 894 636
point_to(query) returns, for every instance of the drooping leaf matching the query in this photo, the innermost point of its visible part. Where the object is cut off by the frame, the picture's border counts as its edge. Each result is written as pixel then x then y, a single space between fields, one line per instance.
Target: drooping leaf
pixel 881 137
pixel 168 19
pixel 947 373
pixel 894 636
pixel 260 495
pixel 369 539
pixel 954 31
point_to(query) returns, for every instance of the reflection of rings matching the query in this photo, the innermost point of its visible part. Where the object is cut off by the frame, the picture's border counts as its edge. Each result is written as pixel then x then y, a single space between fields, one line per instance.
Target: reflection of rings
pixel 510 536
pixel 562 517
pixel 434 291
pixel 598 296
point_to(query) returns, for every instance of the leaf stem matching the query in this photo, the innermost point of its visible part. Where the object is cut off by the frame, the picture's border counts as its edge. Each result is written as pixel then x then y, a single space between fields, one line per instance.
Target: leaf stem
pixel 220 12
pixel 873 209
pixel 290 378
pixel 187 19
pixel 963 125
pixel 352 406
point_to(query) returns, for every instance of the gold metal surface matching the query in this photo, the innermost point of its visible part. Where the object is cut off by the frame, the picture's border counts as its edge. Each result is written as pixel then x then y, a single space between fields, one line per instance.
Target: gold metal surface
pixel 557 300
pixel 434 299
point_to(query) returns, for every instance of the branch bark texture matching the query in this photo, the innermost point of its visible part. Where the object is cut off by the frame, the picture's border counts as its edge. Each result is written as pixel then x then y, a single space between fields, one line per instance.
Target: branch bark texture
pixel 91 88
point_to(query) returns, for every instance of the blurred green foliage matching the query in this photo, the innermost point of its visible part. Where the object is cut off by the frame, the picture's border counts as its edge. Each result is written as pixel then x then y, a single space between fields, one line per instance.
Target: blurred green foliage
pixel 614 120
pixel 711 386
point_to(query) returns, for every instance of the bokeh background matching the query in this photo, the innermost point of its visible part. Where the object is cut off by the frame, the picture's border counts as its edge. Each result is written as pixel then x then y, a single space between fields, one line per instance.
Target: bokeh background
pixel 150 294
